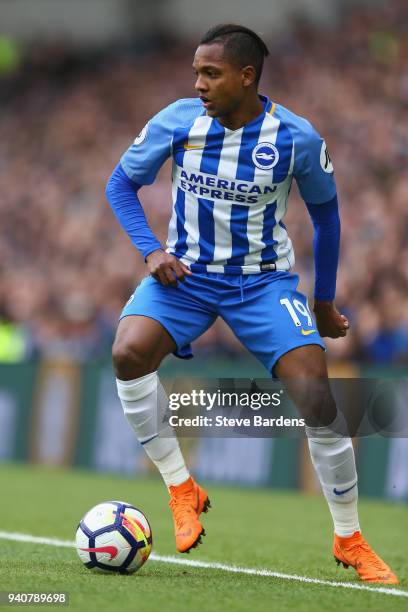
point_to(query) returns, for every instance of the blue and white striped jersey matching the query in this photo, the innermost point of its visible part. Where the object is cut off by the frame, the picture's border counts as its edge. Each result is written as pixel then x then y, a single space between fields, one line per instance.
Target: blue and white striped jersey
pixel 231 187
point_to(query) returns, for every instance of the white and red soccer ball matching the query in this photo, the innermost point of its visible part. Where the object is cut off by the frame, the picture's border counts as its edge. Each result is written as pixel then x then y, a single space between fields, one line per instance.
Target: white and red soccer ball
pixel 114 536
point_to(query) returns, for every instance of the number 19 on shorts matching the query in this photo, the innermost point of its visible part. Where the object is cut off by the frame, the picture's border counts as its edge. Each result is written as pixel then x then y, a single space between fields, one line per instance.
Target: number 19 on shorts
pixel 296 306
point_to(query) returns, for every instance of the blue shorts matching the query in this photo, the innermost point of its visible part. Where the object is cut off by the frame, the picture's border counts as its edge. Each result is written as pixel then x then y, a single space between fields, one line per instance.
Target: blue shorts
pixel 265 311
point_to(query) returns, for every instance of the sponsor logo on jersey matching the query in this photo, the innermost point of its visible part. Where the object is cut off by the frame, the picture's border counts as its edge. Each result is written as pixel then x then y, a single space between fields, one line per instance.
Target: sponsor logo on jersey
pixel 142 136
pixel 325 160
pixel 214 188
pixel 265 155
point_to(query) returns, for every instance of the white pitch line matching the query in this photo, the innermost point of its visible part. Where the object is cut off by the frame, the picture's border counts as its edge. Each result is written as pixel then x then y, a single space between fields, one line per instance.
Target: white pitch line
pixel 23 537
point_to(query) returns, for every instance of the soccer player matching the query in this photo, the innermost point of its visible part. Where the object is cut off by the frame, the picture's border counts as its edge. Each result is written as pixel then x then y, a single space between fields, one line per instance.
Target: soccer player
pixel 228 254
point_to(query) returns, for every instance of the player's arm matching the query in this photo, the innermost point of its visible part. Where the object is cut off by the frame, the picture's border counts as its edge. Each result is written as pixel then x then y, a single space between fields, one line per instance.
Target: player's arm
pixel 326 245
pixel 314 174
pixel 139 166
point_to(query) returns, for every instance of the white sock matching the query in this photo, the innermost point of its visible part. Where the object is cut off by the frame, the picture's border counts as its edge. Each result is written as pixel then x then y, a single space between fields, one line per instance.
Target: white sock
pixel 144 403
pixel 333 460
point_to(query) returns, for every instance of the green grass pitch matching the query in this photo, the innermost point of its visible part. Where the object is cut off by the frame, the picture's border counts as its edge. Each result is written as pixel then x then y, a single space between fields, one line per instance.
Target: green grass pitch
pixel 278 531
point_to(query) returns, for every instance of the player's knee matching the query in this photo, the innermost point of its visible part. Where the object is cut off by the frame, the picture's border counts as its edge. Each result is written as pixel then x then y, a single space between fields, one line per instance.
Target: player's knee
pixel 319 408
pixel 314 399
pixel 128 359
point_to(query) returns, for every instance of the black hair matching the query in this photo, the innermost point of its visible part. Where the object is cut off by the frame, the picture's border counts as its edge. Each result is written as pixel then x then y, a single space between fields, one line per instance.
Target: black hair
pixel 241 45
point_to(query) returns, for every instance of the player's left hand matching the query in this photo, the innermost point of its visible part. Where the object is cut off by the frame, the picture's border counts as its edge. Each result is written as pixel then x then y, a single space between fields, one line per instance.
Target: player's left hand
pixel 330 323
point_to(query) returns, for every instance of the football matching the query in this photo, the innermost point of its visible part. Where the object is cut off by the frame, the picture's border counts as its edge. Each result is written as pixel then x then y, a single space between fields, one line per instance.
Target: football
pixel 114 536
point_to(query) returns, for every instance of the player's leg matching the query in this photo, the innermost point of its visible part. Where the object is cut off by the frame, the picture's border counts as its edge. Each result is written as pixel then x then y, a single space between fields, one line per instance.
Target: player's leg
pixel 150 329
pixel 140 345
pixel 275 324
pixel 304 373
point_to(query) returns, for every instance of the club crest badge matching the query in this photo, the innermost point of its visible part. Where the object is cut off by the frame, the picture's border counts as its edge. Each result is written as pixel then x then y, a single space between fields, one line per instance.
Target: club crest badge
pixel 265 155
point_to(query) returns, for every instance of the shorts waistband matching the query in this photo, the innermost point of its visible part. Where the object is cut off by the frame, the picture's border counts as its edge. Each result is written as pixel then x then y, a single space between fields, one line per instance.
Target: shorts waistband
pixel 283 265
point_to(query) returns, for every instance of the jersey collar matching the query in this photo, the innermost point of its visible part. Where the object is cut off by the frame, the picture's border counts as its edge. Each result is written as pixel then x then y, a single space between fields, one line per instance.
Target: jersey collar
pixel 269 106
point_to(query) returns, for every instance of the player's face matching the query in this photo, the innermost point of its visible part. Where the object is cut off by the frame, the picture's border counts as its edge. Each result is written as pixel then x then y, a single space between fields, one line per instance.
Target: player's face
pixel 220 84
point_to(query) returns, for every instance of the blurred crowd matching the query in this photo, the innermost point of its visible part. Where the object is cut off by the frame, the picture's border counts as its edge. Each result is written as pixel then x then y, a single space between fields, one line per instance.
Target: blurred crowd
pixel 66 267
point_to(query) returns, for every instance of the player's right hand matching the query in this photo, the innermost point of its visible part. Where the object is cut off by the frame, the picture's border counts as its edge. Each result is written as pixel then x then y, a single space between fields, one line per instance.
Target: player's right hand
pixel 166 268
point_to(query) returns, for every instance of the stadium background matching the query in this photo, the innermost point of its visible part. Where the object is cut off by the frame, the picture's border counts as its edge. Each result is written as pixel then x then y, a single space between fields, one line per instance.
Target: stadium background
pixel 78 80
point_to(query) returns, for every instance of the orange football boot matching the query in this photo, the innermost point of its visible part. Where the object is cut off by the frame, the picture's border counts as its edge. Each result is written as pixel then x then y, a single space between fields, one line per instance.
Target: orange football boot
pixel 187 502
pixel 355 551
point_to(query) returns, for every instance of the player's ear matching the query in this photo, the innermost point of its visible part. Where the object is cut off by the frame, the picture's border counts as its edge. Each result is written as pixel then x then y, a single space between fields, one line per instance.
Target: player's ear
pixel 248 76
